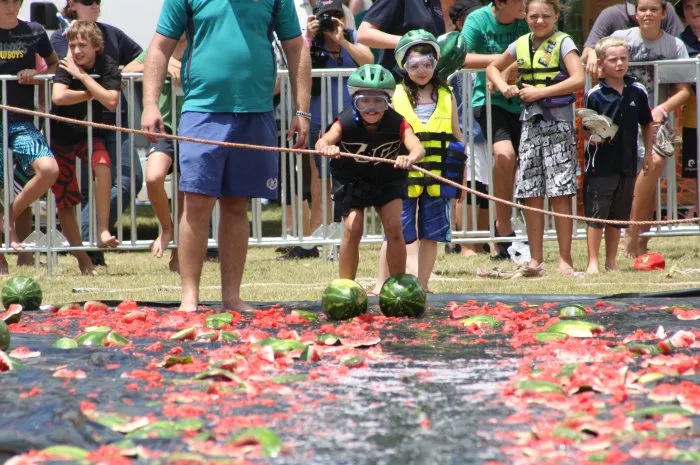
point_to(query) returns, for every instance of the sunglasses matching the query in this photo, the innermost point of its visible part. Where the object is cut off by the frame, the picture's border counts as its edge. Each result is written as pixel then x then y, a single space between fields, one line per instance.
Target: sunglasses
pixel 414 64
pixel 88 2
pixel 368 103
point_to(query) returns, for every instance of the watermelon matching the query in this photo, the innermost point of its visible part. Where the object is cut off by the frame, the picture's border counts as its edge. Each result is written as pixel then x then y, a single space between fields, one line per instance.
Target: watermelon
pixel 344 299
pixel 402 295
pixel 22 290
pixel 4 336
pixel 572 310
pixel 12 315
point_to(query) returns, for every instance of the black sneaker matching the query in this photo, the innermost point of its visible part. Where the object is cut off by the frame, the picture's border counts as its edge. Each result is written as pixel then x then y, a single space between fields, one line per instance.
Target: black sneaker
pixel 502 247
pixel 283 249
pixel 450 248
pixel 300 253
pixel 97 258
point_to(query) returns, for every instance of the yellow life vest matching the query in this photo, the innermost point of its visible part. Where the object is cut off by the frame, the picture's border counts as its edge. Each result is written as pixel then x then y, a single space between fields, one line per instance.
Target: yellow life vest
pixel 543 67
pixel 436 137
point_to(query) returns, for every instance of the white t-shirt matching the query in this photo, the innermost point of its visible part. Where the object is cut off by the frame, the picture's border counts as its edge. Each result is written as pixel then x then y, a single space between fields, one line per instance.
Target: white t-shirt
pixel 665 48
pixel 304 10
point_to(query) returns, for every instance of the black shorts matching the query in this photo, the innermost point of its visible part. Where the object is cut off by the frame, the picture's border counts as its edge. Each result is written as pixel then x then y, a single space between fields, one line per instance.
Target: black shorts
pixel 166 146
pixel 481 202
pixel 351 194
pixel 689 153
pixel 608 197
pixel 505 125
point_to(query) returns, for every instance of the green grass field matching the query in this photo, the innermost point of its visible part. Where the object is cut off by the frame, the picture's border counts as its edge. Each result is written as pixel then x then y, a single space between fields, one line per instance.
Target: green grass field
pixel 137 275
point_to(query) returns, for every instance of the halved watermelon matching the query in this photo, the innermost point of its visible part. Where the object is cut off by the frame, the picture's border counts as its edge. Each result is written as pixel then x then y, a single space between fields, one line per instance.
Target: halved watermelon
pixel 344 299
pixel 22 290
pixel 402 295
pixel 572 310
pixel 12 315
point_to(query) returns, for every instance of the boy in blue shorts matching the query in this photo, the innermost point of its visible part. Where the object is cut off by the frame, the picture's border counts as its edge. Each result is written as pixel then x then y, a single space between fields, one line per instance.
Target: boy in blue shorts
pixel 371 128
pixel 20 42
pixel 611 159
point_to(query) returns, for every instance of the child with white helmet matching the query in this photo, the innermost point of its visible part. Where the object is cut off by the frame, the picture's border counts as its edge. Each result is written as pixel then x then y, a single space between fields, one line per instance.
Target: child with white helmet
pixel 370 127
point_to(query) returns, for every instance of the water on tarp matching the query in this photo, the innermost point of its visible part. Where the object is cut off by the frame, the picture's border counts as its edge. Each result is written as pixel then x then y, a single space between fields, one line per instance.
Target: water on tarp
pixel 432 400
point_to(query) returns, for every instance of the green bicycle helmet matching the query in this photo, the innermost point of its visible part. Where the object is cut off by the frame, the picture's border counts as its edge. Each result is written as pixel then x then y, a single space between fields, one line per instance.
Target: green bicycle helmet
pixel 371 77
pixel 453 50
pixel 411 39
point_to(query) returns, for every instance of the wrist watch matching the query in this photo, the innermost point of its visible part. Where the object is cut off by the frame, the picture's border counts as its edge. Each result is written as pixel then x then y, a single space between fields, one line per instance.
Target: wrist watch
pixel 303 114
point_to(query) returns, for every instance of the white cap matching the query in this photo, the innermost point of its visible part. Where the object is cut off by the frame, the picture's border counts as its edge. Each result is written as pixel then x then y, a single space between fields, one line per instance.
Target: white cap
pixel 631 8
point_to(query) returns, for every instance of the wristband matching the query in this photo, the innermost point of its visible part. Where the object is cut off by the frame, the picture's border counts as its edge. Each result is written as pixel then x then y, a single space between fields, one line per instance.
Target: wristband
pixel 662 110
pixel 303 114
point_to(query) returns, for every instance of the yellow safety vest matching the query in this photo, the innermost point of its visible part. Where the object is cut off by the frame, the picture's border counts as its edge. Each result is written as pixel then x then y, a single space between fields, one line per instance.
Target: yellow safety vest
pixel 542 68
pixel 435 136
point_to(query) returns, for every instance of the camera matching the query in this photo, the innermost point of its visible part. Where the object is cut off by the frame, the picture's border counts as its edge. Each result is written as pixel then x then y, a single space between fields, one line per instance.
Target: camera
pixel 326 23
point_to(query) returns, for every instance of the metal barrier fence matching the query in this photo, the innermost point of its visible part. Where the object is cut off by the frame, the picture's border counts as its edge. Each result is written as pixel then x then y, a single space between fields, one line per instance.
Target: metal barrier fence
pixel 51 243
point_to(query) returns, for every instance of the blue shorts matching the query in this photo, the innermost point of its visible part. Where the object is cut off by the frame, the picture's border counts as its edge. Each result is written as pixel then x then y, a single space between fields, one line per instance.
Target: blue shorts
pixel 27 145
pixel 218 171
pixel 433 215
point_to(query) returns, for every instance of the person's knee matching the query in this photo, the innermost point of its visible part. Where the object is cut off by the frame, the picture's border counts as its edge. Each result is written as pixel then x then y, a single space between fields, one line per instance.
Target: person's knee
pixel 155 179
pixel 46 169
pixel 233 207
pixel 354 230
pixel 504 161
pixel 394 235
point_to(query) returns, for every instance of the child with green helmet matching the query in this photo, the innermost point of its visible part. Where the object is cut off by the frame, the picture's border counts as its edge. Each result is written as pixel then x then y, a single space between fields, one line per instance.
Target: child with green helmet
pixel 370 127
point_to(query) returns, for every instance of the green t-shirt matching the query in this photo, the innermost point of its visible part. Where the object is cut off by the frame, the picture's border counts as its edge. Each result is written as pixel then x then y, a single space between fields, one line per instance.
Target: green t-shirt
pixel 165 101
pixel 229 65
pixel 486 36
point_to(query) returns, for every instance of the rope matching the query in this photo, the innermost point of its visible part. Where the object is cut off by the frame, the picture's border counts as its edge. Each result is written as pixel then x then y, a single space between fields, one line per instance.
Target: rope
pixel 425 172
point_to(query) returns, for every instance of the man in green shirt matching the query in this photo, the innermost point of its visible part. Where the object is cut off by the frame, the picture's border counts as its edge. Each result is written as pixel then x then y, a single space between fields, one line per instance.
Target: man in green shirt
pixel 488 31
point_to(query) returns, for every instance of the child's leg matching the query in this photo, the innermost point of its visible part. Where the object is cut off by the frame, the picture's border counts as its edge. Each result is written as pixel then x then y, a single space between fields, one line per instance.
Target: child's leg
pixel 174 264
pixel 593 238
pixel 612 240
pixel 565 229
pixel 24 229
pixel 157 167
pixel 433 227
pixel 350 246
pixel 534 224
pixel 643 203
pixel 71 230
pixel 46 172
pixel 390 215
pixel 383 272
pixel 103 195
pixel 426 261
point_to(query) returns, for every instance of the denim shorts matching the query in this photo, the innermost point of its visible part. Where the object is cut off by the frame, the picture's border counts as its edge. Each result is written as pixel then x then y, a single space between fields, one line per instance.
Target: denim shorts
pixel 218 171
pixel 432 215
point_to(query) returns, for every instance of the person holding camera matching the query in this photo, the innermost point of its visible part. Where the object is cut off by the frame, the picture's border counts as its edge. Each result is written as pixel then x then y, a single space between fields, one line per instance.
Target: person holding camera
pixel 332 45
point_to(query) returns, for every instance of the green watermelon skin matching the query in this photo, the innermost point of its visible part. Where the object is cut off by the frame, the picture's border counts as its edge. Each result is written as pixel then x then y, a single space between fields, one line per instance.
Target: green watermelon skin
pixel 402 296
pixel 344 299
pixel 4 336
pixel 23 291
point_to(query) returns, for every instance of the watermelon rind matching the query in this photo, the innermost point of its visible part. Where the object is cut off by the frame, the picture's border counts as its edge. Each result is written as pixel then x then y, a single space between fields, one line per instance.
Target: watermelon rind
pixel 65 343
pixel 545 336
pixel 538 386
pixel 22 290
pixel 402 296
pixel 4 336
pixel 482 321
pixel 575 328
pixel 344 299
pixel 572 310
pixel 12 315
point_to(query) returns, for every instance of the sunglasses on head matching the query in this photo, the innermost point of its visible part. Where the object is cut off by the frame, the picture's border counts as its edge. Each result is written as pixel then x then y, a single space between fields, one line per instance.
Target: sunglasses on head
pixel 88 2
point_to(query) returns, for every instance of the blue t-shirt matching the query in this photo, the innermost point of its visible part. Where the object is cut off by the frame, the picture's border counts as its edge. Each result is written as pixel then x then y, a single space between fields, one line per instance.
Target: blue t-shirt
pixel 229 66
pixel 18 48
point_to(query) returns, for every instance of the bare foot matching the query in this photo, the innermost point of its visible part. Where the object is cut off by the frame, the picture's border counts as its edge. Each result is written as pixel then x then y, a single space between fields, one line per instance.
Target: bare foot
pixel 161 243
pixel 565 268
pixel 87 270
pixel 15 241
pixel 4 268
pixel 238 306
pixel 467 252
pixel 592 269
pixel 632 247
pixel 185 307
pixel 107 241
pixel 174 264
pixel 611 267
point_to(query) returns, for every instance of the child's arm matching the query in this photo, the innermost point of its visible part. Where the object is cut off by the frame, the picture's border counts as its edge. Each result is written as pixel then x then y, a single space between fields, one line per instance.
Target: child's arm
pixel 416 152
pixel 62 95
pixel 681 95
pixel 108 98
pixel 326 144
pixel 570 85
pixel 456 130
pixel 493 71
pixel 648 137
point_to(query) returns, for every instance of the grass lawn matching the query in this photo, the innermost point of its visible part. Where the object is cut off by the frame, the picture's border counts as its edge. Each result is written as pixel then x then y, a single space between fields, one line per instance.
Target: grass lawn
pixel 136 275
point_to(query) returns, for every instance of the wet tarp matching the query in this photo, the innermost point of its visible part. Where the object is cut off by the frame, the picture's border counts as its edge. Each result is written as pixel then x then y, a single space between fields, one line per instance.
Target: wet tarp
pixel 387 391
